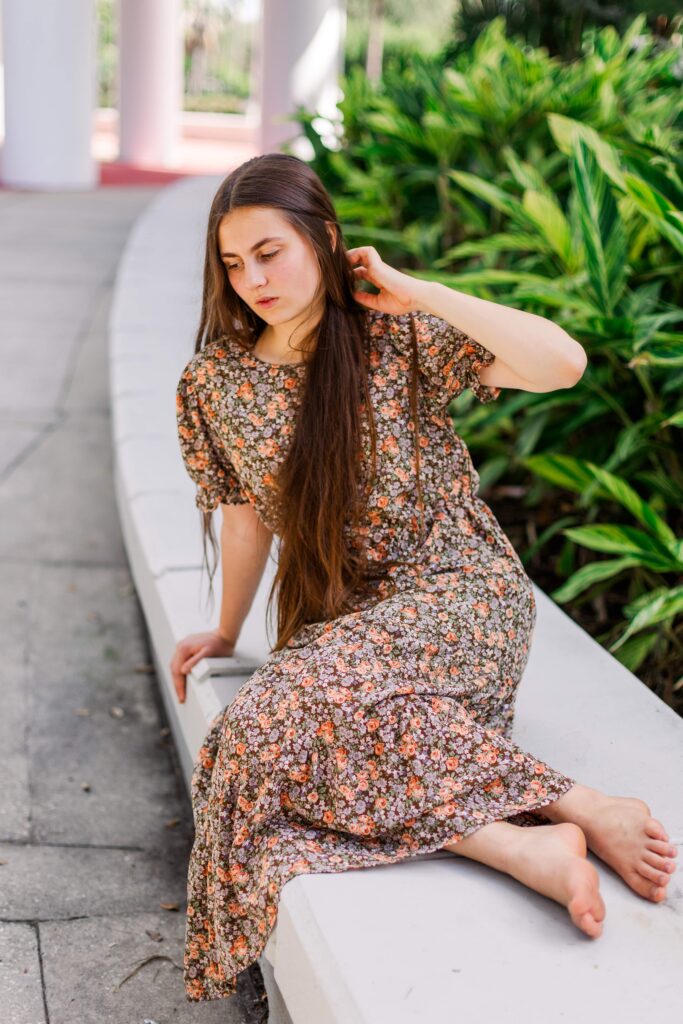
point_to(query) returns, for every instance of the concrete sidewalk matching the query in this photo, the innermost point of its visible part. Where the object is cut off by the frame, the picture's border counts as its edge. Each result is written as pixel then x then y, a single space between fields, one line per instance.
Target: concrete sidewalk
pixel 95 824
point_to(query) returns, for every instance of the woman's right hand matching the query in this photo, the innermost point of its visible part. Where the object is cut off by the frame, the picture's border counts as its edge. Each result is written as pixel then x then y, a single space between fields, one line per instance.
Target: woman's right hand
pixel 192 649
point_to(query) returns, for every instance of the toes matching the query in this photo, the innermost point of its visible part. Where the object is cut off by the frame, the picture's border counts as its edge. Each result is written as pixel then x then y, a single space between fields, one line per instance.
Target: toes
pixel 657 894
pixel 664 849
pixel 656 830
pixel 590 925
pixel 641 885
pixel 652 874
pixel 600 909
pixel 660 863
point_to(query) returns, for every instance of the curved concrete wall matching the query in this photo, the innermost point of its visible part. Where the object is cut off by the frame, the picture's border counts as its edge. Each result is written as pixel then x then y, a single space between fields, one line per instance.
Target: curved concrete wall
pixel 354 946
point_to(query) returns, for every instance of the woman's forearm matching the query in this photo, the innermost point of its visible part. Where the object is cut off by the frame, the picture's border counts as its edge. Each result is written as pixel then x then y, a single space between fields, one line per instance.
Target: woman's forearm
pixel 245 544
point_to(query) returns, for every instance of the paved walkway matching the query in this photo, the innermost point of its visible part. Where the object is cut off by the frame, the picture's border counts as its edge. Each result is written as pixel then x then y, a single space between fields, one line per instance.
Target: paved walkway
pixel 95 823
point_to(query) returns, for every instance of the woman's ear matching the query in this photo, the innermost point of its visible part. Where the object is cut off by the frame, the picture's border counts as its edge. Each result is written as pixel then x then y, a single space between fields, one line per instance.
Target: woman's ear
pixel 332 231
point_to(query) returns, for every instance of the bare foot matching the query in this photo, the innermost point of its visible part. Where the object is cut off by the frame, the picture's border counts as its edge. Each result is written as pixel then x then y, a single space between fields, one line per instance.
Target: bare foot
pixel 622 832
pixel 551 859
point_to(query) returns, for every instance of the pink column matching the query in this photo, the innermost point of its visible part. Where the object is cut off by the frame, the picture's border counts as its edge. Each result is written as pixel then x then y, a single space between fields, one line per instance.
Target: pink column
pixel 150 81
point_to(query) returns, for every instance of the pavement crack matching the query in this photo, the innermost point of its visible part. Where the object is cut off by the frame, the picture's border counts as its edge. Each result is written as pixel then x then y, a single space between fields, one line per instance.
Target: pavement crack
pixel 43 987
pixel 29 449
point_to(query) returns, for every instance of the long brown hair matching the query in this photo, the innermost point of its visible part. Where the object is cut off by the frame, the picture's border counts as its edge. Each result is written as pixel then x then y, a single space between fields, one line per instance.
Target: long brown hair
pixel 323 482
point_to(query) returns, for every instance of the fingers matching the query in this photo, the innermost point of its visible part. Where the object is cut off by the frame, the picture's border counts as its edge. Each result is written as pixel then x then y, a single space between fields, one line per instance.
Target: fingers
pixel 360 250
pixel 179 684
pixel 191 662
pixel 363 254
pixel 367 299
pixel 180 666
pixel 178 680
pixel 367 273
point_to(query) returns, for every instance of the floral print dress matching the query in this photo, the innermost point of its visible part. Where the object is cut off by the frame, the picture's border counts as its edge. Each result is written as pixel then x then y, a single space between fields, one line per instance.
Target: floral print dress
pixel 383 733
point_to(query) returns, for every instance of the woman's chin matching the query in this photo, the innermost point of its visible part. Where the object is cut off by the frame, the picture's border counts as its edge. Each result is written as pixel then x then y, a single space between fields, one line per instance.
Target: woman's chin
pixel 264 311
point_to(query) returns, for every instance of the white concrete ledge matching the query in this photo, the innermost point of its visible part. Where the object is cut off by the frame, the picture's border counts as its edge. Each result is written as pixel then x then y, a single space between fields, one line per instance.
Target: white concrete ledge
pixel 407 942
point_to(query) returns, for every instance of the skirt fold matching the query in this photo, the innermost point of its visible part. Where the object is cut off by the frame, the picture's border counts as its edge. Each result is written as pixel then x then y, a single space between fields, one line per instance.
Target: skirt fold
pixel 374 784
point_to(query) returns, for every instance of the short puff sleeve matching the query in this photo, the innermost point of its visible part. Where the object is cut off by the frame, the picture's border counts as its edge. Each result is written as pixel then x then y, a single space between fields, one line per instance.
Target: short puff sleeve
pixel 205 461
pixel 448 359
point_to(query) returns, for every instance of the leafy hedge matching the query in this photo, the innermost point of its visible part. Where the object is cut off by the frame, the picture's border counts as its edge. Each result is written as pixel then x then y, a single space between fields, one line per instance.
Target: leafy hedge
pixel 556 188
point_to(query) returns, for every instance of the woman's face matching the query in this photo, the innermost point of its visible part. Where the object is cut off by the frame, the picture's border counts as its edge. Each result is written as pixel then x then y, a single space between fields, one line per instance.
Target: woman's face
pixel 264 257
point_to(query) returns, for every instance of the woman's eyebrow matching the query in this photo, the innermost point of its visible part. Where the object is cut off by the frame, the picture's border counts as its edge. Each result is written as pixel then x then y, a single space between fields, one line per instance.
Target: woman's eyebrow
pixel 271 238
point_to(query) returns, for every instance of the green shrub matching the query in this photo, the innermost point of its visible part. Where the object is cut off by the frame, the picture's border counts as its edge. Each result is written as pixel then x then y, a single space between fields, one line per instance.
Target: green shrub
pixel 556 188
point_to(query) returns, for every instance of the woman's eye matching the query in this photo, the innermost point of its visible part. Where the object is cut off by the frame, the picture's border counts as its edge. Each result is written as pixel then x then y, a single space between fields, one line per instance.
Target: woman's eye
pixel 265 256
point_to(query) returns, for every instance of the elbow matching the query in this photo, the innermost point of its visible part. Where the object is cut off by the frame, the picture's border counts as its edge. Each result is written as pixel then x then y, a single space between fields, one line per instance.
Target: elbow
pixel 577 362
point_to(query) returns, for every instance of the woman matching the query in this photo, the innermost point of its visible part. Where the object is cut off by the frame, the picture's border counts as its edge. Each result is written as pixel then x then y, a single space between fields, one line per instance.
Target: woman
pixel 380 724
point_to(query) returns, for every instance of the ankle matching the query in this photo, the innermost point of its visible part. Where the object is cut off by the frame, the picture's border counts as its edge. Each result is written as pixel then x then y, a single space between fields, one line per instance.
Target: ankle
pixel 495 844
pixel 578 805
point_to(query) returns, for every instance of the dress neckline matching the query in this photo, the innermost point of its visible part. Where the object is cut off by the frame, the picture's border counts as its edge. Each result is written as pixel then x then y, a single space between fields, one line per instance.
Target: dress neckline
pixel 266 362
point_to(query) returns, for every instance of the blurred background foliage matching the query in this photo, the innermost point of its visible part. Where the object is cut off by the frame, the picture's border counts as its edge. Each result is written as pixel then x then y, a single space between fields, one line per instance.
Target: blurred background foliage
pixel 218 40
pixel 529 153
pixel 554 186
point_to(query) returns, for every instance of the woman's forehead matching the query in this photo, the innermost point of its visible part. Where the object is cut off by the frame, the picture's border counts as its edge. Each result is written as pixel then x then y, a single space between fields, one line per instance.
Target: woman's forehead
pixel 245 225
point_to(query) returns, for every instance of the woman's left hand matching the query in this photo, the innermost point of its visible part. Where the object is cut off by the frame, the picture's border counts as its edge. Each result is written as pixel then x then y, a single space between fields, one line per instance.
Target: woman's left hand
pixel 397 291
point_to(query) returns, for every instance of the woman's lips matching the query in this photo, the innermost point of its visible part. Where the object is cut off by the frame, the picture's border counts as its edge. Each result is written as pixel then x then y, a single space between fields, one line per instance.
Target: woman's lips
pixel 266 302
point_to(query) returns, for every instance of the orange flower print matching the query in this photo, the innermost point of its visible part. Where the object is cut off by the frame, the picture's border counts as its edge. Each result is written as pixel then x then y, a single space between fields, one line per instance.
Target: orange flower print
pixel 326 731
pixel 415 788
pixel 239 947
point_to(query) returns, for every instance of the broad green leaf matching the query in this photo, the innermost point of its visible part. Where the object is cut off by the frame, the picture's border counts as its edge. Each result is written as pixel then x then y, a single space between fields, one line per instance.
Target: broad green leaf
pixel 661 608
pixel 603 230
pixel 562 470
pixel 635 650
pixel 493 195
pixel 640 509
pixel 500 242
pixel 657 208
pixel 525 174
pixel 589 574
pixel 648 198
pixel 550 220
pixel 639 602
pixel 624 540
pixel 663 181
pixel 578 475
pixel 476 277
pixel 553 295
pixel 568 132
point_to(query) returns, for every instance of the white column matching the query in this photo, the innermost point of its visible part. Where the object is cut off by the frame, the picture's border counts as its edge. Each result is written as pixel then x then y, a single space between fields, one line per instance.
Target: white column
pixel 298 62
pixel 50 94
pixel 150 81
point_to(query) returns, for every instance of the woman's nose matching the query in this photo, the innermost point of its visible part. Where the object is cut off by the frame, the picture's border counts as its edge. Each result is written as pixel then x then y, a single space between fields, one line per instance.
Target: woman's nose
pixel 255 277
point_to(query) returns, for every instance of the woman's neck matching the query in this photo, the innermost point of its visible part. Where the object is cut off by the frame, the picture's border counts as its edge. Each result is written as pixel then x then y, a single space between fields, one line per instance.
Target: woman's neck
pixel 271 350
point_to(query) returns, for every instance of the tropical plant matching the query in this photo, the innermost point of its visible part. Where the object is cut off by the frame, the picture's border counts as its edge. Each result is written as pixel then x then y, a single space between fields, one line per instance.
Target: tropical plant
pixel 558 189
pixel 650 552
pixel 558 25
